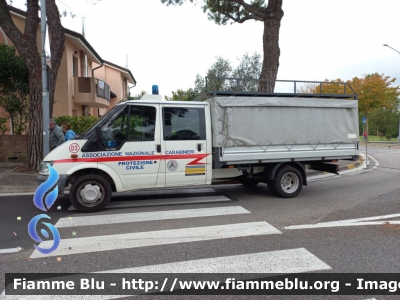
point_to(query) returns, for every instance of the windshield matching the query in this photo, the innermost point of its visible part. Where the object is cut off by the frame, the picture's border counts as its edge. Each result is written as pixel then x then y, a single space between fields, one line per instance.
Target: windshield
pixel 99 121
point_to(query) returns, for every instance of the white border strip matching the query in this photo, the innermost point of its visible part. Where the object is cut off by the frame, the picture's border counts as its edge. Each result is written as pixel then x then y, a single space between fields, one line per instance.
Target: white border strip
pixel 155 238
pixel 149 216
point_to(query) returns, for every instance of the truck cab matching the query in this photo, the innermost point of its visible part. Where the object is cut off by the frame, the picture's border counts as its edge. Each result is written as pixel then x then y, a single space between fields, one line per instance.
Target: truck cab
pixel 148 143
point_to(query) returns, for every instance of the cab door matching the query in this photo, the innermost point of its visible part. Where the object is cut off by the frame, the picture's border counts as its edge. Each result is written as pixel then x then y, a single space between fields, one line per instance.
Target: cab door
pixel 132 138
pixel 184 144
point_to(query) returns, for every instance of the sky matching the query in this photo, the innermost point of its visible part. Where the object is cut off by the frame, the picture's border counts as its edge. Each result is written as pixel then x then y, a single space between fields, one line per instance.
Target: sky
pixel 168 46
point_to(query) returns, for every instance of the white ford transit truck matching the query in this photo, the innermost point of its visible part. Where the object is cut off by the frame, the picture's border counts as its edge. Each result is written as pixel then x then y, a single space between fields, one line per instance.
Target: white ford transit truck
pixel 251 137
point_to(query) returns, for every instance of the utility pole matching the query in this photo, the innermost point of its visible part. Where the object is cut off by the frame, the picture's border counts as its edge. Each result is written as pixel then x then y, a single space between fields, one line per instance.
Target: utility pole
pixel 386 45
pixel 45 82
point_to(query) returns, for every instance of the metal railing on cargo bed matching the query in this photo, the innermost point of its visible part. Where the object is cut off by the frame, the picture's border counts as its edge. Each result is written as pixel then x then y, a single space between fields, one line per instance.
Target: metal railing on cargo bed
pixel 225 86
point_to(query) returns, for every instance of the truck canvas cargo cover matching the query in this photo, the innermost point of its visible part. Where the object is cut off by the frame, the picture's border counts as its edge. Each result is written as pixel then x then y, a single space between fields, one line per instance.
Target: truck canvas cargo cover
pixel 255 121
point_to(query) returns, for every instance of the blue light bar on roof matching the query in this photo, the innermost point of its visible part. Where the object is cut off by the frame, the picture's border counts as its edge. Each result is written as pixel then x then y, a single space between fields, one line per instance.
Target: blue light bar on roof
pixel 155 89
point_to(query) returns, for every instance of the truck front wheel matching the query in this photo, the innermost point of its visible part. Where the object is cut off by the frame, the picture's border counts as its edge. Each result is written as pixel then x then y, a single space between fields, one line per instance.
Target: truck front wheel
pixel 288 182
pixel 90 193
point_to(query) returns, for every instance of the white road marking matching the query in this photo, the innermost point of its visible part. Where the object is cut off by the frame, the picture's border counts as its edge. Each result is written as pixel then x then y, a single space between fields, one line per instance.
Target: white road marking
pixel 154 238
pixel 149 216
pixel 281 261
pixel 273 262
pixel 349 222
pixel 9 250
pixel 16 194
pixel 165 191
pixel 152 202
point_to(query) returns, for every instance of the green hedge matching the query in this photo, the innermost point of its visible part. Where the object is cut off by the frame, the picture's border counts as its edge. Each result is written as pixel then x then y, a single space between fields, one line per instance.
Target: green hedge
pixel 78 124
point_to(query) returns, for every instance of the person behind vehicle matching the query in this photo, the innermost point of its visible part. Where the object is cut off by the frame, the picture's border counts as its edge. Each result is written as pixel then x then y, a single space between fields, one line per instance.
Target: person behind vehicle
pixel 56 135
pixel 69 134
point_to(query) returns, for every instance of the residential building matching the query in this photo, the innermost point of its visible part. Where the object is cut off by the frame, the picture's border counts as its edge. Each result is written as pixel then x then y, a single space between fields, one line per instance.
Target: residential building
pixel 86 84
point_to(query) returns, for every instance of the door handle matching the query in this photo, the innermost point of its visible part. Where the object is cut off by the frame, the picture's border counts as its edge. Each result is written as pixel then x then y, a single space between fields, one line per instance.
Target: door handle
pixel 199 147
pixel 158 148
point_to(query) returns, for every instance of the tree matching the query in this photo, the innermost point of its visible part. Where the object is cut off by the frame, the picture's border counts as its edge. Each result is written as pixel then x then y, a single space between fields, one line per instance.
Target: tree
pixel 27 47
pixel 137 97
pixel 220 70
pixel 374 95
pixel 383 121
pixel 14 88
pixel 374 92
pixel 221 11
pixel 181 95
pixel 249 68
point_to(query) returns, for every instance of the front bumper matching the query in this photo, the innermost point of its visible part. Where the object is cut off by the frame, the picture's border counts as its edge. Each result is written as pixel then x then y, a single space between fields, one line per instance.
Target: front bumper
pixel 60 183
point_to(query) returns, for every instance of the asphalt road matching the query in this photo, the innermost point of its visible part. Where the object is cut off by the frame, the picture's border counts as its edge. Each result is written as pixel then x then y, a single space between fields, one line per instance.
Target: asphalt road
pixel 247 222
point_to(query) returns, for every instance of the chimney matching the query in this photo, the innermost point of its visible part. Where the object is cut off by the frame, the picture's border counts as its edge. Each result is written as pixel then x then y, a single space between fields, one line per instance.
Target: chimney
pixel 84 27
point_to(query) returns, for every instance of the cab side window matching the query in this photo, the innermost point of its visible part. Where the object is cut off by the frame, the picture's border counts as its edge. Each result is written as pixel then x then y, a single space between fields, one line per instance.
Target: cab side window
pixel 184 123
pixel 114 130
pixel 142 123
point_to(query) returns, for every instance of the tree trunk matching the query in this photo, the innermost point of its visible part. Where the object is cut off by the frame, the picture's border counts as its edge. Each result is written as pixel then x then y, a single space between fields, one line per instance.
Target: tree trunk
pixel 271 49
pixel 57 47
pixel 27 48
pixel 35 134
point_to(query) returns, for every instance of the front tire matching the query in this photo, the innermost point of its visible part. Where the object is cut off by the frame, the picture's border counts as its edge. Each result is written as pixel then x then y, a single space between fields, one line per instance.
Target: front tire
pixel 288 182
pixel 90 193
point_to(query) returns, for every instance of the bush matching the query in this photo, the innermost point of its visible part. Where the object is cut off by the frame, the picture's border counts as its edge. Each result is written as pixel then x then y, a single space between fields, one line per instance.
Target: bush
pixel 78 124
pixel 388 136
pixel 3 126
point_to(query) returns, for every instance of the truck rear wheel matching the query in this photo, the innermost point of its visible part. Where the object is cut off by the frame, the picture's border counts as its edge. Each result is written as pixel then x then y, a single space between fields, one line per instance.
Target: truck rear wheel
pixel 288 182
pixel 90 193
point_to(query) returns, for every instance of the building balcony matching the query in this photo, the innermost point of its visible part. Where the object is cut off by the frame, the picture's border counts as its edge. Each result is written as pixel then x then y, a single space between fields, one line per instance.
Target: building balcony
pixel 90 91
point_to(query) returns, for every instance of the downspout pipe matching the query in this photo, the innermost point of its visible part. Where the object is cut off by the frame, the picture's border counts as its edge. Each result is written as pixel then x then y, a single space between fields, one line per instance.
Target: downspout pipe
pixel 102 64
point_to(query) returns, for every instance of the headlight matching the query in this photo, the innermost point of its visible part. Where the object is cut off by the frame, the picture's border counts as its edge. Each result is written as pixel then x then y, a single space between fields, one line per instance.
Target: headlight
pixel 44 168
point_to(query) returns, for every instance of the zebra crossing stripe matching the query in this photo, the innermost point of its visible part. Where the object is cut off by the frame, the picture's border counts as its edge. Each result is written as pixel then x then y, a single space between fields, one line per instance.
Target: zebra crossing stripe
pixel 273 262
pixel 149 216
pixel 9 250
pixel 282 261
pixel 152 202
pixel 155 238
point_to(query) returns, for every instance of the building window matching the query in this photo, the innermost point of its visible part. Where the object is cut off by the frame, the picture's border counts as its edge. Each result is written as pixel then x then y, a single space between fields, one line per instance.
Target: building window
pixel 74 66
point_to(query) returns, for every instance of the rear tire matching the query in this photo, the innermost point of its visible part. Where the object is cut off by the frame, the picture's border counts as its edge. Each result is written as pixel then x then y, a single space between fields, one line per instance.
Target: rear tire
pixel 248 182
pixel 90 193
pixel 288 182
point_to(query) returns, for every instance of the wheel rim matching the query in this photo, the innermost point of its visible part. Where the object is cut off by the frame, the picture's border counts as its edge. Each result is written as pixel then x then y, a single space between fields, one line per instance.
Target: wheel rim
pixel 90 193
pixel 289 182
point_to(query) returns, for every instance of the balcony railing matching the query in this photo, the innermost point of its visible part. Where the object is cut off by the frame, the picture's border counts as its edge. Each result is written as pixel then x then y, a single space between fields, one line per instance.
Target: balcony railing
pixel 103 89
pixel 91 92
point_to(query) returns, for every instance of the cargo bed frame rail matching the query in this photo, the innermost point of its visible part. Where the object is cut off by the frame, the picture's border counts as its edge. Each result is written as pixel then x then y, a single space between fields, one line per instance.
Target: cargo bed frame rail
pixel 229 86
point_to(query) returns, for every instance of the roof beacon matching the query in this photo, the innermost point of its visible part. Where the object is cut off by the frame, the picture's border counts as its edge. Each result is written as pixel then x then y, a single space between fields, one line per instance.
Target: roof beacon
pixel 155 89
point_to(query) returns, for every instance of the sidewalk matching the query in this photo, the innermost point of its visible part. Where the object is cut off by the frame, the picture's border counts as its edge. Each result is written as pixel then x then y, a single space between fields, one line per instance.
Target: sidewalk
pixel 13 178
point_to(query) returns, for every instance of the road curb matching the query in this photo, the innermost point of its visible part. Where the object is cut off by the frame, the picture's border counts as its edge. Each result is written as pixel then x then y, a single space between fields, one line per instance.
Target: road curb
pixel 342 168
